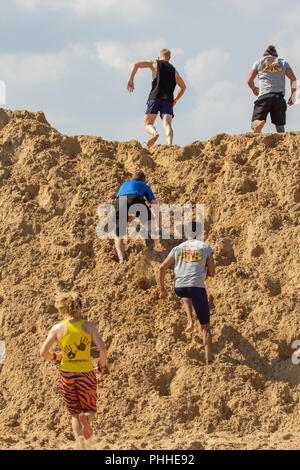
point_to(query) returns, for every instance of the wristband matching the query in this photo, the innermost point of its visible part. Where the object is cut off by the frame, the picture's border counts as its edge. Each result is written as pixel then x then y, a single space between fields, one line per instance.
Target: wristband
pixel 103 368
pixel 53 357
pixel 174 101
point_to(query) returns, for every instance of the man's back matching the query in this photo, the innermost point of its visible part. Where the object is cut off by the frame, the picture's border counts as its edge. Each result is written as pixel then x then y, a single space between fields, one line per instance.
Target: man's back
pixel 139 188
pixel 164 83
pixel 271 74
pixel 190 263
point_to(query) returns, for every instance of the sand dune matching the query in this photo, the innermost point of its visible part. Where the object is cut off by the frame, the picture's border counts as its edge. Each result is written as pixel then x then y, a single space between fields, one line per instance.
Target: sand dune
pixel 158 393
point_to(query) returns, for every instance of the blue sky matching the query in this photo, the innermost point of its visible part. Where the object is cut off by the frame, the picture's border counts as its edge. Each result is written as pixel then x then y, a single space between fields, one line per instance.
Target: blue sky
pixel 72 58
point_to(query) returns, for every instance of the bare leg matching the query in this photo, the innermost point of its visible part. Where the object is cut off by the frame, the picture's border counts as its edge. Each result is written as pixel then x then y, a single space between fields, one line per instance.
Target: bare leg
pixel 207 342
pixel 119 244
pixel 257 126
pixel 188 306
pixel 149 127
pixel 167 122
pixel 85 419
pixel 149 241
pixel 76 426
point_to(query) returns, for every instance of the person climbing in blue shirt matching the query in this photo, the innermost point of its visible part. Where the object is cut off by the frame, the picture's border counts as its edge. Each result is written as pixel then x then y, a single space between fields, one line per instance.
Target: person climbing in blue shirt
pixel 134 192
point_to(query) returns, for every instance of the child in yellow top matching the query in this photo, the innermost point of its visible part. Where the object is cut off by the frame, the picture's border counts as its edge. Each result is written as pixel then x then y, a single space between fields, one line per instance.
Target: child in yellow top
pixel 77 381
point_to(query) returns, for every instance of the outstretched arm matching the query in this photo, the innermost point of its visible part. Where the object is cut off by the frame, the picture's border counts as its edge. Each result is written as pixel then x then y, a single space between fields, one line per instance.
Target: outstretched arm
pixel 162 273
pixel 150 64
pixel 290 74
pixel 250 82
pixel 51 339
pixel 181 85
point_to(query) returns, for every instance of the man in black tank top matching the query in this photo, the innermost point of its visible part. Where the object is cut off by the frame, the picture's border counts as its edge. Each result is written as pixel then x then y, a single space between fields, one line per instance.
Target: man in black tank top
pixel 161 97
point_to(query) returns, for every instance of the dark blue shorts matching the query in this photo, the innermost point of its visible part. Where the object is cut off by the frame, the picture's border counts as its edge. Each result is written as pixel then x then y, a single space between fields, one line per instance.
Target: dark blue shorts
pixel 199 301
pixel 160 105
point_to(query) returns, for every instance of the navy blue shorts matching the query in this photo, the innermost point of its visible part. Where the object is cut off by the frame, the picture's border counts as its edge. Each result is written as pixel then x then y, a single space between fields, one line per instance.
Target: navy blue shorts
pixel 160 105
pixel 199 301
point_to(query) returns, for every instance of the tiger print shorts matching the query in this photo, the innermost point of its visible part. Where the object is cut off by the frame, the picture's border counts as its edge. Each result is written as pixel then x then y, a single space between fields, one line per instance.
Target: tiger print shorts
pixel 79 391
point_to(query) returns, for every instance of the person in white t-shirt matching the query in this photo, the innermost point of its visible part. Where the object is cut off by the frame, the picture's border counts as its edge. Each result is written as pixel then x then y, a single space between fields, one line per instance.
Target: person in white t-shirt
pixel 193 261
pixel 271 71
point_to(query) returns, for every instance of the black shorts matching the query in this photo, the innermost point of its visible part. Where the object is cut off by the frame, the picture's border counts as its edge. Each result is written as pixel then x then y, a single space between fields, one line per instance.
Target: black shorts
pixel 129 201
pixel 273 103
pixel 199 301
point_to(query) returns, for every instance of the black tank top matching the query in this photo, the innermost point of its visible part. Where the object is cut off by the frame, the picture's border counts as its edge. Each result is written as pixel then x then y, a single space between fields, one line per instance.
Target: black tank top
pixel 164 84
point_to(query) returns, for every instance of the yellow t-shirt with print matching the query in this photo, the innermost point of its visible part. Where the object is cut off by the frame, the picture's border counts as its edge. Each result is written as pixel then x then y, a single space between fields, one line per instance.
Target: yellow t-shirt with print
pixel 76 348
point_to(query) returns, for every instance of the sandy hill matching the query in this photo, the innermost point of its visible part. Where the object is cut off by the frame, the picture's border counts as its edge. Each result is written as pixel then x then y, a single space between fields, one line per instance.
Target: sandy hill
pixel 158 394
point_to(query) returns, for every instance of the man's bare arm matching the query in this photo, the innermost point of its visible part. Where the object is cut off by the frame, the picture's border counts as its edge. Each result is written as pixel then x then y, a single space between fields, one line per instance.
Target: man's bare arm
pixel 150 64
pixel 250 82
pixel 210 264
pixel 99 343
pixel 290 74
pixel 162 273
pixel 181 85
pixel 51 339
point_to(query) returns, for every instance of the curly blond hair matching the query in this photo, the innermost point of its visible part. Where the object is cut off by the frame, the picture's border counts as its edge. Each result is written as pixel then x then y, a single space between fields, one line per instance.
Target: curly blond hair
pixel 68 303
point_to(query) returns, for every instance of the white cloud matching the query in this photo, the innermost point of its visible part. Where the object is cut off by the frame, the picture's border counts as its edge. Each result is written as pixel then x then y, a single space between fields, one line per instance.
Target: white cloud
pixel 247 7
pixel 221 105
pixel 230 114
pixel 113 54
pixel 287 38
pixel 39 67
pixel 120 56
pixel 290 20
pixel 130 10
pixel 27 3
pixel 207 68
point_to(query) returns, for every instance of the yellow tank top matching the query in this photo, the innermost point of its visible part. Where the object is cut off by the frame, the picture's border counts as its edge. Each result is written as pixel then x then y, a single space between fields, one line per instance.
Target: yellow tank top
pixel 76 348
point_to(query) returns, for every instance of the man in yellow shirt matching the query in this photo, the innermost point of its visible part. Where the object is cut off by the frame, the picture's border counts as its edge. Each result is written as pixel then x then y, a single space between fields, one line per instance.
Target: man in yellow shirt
pixel 77 381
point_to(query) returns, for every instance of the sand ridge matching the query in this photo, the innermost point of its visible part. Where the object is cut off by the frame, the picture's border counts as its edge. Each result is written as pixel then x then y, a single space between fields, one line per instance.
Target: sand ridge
pixel 158 393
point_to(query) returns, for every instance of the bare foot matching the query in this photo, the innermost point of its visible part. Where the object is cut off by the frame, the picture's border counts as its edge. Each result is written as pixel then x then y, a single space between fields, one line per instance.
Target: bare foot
pixel 79 443
pixel 152 140
pixel 189 328
pixel 258 126
pixel 86 427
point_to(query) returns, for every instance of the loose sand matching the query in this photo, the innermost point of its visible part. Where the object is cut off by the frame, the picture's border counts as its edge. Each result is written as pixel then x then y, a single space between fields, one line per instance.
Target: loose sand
pixel 158 394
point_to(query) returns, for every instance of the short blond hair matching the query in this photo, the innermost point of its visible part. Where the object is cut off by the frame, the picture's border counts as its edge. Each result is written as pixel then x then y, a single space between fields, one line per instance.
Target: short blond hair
pixel 68 303
pixel 165 53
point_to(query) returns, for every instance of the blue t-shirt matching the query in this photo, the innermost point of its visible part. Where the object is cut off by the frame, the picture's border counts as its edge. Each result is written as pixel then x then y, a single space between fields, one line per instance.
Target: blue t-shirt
pixel 136 187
